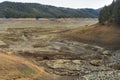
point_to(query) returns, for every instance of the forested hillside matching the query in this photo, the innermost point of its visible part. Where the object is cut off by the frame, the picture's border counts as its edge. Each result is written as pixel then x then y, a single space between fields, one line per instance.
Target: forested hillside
pixel 110 14
pixel 34 10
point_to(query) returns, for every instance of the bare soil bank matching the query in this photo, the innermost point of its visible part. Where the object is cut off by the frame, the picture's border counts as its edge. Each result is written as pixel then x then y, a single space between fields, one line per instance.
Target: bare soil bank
pixel 103 35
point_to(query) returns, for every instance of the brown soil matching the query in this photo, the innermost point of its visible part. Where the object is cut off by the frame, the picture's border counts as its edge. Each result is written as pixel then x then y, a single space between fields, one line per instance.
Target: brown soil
pixel 17 68
pixel 103 35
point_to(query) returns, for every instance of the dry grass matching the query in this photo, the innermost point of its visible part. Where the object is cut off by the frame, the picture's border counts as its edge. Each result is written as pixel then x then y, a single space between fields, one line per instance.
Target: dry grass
pixel 96 34
pixel 14 67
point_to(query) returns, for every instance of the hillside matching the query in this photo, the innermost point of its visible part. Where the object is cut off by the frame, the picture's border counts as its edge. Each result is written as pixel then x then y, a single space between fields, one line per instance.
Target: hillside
pixel 34 10
pixel 17 68
pixel 103 35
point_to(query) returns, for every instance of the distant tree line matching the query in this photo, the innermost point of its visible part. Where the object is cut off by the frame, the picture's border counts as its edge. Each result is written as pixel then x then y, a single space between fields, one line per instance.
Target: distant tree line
pixel 34 10
pixel 111 13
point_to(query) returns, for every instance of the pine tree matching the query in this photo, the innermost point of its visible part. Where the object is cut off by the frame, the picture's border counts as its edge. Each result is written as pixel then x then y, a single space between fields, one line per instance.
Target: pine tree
pixel 104 15
pixel 116 12
pixel 111 13
pixel 111 8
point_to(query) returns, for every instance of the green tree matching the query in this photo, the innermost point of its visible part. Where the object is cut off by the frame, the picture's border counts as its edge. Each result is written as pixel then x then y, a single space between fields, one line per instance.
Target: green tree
pixel 111 13
pixel 116 12
pixel 111 8
pixel 104 15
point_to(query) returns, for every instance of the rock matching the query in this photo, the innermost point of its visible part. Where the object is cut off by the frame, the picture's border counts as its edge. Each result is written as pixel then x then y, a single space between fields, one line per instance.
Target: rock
pixel 115 60
pixel 116 57
pixel 100 49
pixel 76 61
pixel 64 64
pixel 3 45
pixel 106 52
pixel 9 53
pixel 96 62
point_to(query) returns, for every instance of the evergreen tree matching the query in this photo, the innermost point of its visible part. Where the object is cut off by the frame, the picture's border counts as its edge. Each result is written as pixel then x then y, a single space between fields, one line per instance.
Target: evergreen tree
pixel 111 8
pixel 116 12
pixel 104 15
pixel 111 13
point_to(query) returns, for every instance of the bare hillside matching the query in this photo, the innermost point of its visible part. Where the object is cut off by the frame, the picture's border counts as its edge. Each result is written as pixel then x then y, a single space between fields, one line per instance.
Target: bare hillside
pixel 103 35
pixel 17 68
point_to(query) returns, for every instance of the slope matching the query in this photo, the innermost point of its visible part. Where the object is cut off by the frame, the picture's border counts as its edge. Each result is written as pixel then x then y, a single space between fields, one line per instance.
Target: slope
pixel 17 68
pixel 33 10
pixel 103 35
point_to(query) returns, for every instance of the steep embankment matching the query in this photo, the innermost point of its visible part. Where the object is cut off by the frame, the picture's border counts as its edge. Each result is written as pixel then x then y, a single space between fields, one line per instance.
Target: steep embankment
pixel 17 68
pixel 97 34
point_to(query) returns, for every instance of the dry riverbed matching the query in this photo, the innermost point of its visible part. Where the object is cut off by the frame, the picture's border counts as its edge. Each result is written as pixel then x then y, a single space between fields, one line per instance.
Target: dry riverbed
pixel 41 42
